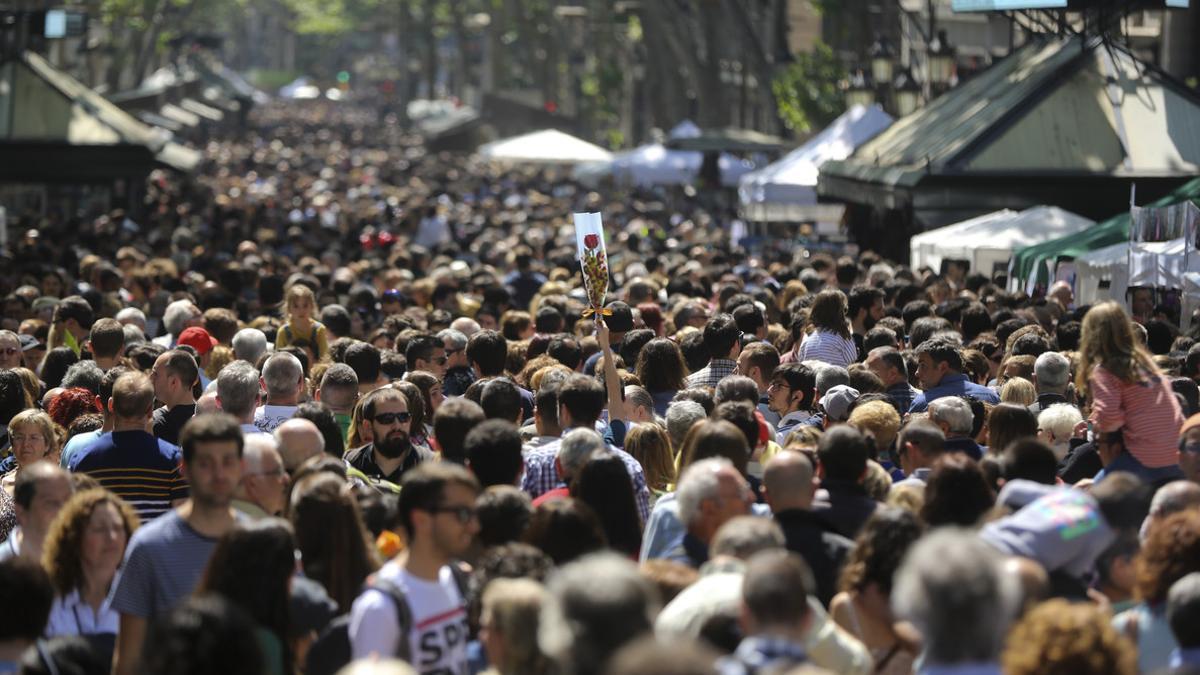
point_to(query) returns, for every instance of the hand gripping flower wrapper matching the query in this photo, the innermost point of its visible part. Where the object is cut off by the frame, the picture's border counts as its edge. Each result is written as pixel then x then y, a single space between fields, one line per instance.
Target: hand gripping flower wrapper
pixel 593 260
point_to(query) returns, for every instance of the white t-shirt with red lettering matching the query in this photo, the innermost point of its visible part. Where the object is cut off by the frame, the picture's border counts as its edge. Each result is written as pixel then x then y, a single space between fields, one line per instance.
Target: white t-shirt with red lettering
pixel 438 637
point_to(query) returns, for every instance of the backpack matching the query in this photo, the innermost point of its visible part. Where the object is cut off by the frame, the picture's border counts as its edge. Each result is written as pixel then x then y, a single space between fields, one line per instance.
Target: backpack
pixel 331 651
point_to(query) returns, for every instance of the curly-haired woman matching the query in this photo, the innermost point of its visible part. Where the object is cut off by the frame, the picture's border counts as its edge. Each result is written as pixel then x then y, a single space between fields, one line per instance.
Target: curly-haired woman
pixel 862 608
pixel 83 549
pixel 1064 638
pixel 1170 552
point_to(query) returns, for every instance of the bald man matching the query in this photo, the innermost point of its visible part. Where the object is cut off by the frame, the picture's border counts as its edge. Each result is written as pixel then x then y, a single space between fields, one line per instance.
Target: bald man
pixel 298 440
pixel 788 486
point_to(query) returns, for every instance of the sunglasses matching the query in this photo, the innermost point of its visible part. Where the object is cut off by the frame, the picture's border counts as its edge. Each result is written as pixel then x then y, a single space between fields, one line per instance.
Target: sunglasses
pixel 391 418
pixel 463 514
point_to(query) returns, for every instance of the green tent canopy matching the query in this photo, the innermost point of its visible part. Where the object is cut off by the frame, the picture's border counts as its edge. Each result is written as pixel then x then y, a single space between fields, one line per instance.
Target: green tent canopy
pixel 1031 262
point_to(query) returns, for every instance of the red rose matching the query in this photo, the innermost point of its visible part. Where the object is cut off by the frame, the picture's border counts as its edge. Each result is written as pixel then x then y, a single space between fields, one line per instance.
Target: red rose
pixel 591 241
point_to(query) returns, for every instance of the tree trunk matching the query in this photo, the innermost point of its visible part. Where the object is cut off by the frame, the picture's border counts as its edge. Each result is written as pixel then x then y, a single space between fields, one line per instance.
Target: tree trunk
pixel 758 63
pixel 714 108
pixel 668 50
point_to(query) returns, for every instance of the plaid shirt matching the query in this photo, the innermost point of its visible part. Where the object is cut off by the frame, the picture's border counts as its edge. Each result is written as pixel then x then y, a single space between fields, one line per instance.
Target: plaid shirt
pixel 712 374
pixel 757 654
pixel 541 476
pixel 902 395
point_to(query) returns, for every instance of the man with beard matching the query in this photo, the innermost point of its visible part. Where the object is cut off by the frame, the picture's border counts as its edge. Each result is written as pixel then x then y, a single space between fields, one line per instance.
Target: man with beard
pixel 865 308
pixel 166 557
pixel 386 420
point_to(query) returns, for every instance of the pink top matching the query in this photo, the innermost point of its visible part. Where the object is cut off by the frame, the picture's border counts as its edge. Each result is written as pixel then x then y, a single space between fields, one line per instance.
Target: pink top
pixel 1146 412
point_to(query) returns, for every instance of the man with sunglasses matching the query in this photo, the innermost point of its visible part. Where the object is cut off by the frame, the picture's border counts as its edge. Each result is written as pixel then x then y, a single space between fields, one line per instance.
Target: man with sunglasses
pixel 437 509
pixel 427 353
pixel 391 454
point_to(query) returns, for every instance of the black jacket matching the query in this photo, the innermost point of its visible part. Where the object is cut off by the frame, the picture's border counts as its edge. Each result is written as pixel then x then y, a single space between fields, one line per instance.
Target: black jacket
pixel 824 551
pixel 848 508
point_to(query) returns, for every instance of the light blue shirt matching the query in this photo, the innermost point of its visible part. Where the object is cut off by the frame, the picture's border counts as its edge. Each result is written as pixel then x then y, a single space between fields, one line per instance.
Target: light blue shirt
pixel 77 443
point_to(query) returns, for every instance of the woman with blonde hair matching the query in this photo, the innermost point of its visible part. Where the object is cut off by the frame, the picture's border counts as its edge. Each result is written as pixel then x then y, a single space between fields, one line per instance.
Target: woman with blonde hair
pixel 651 447
pixel 34 437
pixel 1018 390
pixel 83 550
pixel 508 627
pixel 1134 412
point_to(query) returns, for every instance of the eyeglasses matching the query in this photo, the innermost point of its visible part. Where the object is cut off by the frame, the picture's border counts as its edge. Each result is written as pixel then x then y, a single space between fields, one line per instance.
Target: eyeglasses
pixel 463 514
pixel 32 438
pixel 277 472
pixel 392 418
pixel 778 385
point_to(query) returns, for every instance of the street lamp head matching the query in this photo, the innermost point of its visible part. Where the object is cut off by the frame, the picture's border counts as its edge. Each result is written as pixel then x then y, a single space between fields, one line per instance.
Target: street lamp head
pixel 882 59
pixel 859 90
pixel 906 93
pixel 941 60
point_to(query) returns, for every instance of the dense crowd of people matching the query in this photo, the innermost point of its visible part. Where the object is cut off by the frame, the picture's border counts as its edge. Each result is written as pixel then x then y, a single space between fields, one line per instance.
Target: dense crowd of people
pixel 336 406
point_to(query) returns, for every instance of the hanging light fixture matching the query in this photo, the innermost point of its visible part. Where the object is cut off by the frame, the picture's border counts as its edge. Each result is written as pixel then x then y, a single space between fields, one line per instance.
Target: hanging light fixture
pixel 906 93
pixel 882 58
pixel 941 60
pixel 859 90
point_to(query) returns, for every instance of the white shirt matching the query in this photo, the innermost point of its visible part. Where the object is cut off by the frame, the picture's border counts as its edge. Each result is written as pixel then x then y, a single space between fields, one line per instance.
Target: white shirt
pixel 70 615
pixel 438 638
pixel 267 417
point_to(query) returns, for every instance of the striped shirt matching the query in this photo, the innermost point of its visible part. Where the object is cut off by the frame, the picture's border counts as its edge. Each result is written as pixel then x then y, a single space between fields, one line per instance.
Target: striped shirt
pixel 137 467
pixel 163 564
pixel 828 347
pixel 1146 412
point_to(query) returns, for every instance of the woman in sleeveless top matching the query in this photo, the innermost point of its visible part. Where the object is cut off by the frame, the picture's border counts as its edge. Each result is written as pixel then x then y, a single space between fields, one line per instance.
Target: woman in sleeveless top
pixel 861 608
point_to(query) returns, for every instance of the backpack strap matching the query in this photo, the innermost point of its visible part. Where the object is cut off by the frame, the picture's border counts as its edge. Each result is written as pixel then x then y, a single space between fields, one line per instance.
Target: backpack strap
pixel 462 579
pixel 404 617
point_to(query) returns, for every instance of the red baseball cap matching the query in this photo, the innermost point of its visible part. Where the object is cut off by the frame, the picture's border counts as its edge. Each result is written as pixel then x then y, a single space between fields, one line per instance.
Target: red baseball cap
pixel 197 338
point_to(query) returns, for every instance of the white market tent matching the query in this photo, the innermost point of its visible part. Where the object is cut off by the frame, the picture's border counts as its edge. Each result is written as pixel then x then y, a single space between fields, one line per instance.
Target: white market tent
pixel 783 190
pixel 549 146
pixel 655 164
pixel 987 242
pixel 1111 264
pixel 926 249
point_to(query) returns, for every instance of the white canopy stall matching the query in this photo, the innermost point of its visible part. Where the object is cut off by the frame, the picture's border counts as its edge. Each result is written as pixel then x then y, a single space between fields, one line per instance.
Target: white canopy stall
pixel 987 242
pixel 549 146
pixel 786 190
pixel 1108 264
